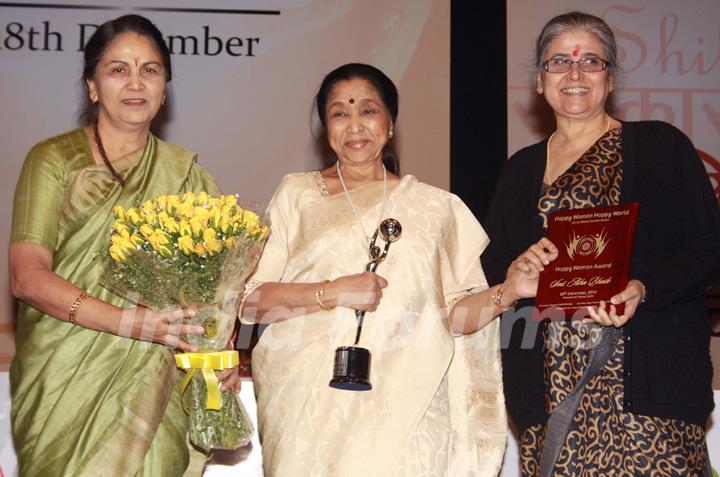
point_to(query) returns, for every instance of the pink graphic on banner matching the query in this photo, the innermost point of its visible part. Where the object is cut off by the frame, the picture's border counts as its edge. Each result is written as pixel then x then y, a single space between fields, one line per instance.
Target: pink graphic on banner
pixel 713 169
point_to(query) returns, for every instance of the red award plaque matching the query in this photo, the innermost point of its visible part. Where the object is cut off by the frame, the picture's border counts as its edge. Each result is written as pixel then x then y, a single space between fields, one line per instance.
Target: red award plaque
pixel 595 248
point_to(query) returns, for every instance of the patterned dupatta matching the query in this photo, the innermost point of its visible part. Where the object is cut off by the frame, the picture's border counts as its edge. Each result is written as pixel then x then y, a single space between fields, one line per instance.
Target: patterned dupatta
pixel 593 180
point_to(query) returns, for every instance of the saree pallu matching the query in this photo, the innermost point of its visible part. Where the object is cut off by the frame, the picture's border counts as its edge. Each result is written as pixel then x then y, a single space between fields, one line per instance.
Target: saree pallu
pixel 86 402
pixel 436 407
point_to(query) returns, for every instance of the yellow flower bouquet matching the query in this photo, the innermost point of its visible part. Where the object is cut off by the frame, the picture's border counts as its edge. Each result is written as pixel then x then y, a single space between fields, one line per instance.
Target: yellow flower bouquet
pixel 192 251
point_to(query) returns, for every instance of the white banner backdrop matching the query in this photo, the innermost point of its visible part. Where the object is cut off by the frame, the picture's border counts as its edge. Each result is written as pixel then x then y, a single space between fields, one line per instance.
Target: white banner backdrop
pixel 245 73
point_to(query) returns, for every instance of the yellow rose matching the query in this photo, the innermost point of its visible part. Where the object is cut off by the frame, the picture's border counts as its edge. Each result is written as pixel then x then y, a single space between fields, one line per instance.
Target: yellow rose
pixel 171 225
pixel 150 217
pixel 253 229
pixel 148 206
pixel 216 217
pixel 119 212
pixel 202 198
pixel 185 228
pixel 202 212
pixel 133 215
pixel 173 202
pixel 230 242
pixel 136 240
pixel 162 237
pixel 161 202
pixel 121 248
pixel 120 240
pixel 167 222
pixel 225 223
pixel 251 216
pixel 164 250
pixel 237 223
pixel 199 249
pixel 208 235
pixel 186 245
pixel 263 233
pixel 230 200
pixel 197 224
pixel 213 247
pixel 146 231
pixel 185 210
pixel 188 197
pixel 159 241
pixel 117 253
pixel 121 228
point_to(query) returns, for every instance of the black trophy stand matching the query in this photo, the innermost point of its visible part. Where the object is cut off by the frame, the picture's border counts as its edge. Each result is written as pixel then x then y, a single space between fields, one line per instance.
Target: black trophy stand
pixel 351 371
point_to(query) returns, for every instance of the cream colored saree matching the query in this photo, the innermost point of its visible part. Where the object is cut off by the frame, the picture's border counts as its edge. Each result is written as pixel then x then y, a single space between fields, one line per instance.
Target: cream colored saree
pixel 436 407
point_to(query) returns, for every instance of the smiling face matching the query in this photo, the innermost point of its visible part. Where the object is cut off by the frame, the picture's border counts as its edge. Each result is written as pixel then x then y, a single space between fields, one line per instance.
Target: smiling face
pixel 358 123
pixel 129 82
pixel 575 94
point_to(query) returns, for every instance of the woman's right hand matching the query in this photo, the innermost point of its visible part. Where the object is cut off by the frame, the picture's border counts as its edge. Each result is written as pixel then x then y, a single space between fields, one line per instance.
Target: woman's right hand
pixel 361 291
pixel 523 273
pixel 162 327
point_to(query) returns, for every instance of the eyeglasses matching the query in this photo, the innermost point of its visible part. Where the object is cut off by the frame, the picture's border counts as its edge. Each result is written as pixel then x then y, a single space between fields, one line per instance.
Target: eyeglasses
pixel 589 64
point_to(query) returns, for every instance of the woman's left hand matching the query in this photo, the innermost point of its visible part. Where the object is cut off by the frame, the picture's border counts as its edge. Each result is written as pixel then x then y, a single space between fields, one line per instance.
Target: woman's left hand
pixel 630 296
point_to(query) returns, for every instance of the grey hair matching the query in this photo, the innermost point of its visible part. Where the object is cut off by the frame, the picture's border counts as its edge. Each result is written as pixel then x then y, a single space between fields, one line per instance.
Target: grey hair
pixel 573 22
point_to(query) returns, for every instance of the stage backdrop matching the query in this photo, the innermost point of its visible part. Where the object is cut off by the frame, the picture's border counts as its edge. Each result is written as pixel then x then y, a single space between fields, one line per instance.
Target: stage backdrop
pixel 245 73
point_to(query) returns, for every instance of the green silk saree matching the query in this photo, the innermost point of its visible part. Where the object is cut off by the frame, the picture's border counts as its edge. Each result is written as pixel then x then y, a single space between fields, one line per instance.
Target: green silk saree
pixel 86 402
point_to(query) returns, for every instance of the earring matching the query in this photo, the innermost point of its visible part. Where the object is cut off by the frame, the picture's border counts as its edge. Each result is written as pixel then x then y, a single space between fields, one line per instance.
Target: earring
pixel 539 90
pixel 390 133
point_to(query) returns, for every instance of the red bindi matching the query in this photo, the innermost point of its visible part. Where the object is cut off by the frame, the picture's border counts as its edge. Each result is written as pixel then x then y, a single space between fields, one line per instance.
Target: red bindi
pixel 576 51
pixel 351 101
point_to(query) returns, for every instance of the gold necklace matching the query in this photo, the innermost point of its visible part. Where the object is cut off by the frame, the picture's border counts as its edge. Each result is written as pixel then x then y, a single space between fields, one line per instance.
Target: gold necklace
pixel 546 176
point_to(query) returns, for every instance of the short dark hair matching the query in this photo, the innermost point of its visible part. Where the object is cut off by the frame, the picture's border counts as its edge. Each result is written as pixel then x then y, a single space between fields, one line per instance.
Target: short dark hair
pixel 103 37
pixel 383 85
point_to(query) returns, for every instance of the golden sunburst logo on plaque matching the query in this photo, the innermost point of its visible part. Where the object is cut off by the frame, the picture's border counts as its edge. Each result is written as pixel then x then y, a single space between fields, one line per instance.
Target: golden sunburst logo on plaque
pixel 591 244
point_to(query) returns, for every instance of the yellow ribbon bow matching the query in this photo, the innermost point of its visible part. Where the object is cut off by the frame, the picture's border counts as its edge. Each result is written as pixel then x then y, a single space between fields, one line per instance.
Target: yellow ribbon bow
pixel 207 363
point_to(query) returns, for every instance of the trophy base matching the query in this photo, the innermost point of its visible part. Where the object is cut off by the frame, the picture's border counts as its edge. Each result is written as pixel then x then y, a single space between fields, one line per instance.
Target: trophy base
pixel 349 384
pixel 352 369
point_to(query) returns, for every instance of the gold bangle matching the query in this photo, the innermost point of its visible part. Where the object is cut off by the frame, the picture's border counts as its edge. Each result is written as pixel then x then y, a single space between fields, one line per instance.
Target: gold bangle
pixel 497 299
pixel 318 296
pixel 75 306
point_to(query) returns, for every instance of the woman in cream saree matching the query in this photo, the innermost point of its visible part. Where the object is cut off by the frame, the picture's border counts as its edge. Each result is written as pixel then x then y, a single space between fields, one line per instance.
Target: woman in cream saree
pixel 436 406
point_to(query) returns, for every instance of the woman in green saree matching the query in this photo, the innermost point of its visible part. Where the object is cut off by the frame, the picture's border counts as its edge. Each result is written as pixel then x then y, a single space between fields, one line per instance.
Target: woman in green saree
pixel 93 378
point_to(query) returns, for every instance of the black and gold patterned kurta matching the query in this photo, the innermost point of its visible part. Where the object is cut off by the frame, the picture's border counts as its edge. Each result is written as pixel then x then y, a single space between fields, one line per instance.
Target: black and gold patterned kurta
pixel 602 440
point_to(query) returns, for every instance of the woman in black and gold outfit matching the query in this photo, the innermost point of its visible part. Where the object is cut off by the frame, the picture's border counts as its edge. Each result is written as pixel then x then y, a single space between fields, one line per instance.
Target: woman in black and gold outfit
pixel 643 409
